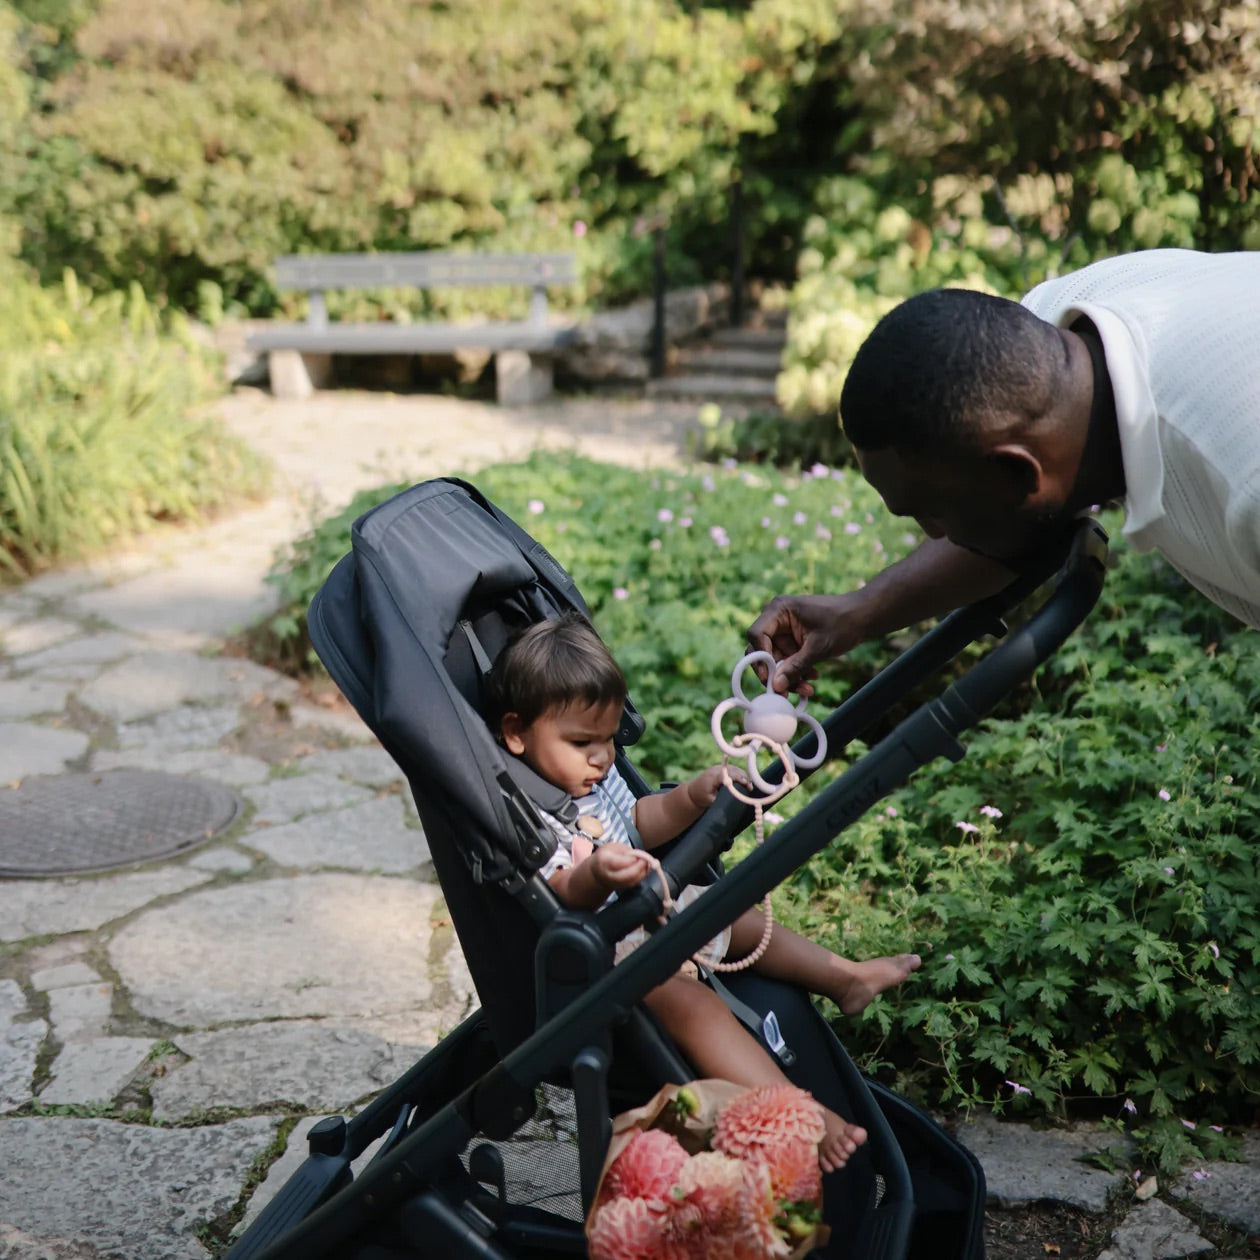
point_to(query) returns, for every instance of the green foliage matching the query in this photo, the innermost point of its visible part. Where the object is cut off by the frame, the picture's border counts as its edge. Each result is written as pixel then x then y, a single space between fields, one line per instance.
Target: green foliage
pixel 1081 885
pixel 99 434
pixel 765 437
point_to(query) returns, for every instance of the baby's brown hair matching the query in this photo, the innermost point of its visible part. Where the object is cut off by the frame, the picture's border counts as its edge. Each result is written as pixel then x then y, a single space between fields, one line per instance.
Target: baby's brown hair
pixel 552 665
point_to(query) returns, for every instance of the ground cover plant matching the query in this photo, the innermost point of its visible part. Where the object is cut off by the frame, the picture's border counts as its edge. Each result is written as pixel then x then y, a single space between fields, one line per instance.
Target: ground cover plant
pixel 99 430
pixel 1081 885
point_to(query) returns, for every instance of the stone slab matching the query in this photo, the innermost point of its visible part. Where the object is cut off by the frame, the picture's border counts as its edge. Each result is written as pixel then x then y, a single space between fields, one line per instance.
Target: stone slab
pixel 275 1066
pixel 30 907
pixel 27 750
pixel 369 765
pixel 120 1190
pixel 24 637
pixel 209 763
pixel 80 1012
pixel 1022 1164
pixel 283 800
pixel 21 1035
pixel 190 726
pixel 198 591
pixel 94 1072
pixel 29 697
pixel 368 837
pixel 154 682
pixel 63 975
pixel 1228 1190
pixel 1155 1231
pixel 222 860
pixel 84 649
pixel 310 945
pixel 339 722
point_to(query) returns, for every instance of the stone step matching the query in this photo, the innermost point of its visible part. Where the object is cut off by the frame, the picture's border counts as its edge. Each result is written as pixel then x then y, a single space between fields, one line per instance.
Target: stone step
pixel 749 338
pixel 708 360
pixel 713 386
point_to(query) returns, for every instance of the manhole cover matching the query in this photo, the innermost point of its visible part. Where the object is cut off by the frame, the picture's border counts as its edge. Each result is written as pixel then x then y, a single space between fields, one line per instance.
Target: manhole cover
pixel 73 823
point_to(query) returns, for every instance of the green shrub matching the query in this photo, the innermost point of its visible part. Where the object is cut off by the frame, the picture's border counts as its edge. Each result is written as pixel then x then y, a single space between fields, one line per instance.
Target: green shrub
pixel 1088 933
pixel 99 430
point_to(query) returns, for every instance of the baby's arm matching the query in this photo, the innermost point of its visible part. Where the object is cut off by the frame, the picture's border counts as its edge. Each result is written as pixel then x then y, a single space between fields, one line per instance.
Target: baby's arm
pixel 664 815
pixel 586 884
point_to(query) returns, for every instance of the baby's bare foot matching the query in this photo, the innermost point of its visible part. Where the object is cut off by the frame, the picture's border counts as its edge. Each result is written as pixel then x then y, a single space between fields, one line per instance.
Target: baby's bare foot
pixel 874 976
pixel 839 1142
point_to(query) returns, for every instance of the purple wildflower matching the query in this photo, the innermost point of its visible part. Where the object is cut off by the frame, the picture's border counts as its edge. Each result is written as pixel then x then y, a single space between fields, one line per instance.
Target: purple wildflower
pixel 1164 794
pixel 781 543
pixel 665 516
pixel 990 811
pixel 966 828
pixel 536 506
pixel 852 528
pixel 1018 1088
pixel 620 592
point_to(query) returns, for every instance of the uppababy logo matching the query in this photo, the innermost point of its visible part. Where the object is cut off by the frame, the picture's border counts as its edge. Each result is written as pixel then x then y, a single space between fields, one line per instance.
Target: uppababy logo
pixel 854 805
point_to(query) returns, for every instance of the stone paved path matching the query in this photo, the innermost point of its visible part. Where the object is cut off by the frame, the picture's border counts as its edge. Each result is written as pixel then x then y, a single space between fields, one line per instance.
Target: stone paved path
pixel 161 1026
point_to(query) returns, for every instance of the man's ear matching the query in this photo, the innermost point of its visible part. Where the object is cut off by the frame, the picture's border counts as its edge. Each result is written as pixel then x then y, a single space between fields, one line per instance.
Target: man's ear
pixel 513 733
pixel 1020 469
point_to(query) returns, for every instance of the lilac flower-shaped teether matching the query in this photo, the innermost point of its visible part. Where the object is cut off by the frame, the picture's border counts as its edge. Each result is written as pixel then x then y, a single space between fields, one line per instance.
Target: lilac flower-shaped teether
pixel 767 717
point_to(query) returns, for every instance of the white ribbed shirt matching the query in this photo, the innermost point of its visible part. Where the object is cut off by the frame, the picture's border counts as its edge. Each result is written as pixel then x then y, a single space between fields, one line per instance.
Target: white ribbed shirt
pixel 1181 332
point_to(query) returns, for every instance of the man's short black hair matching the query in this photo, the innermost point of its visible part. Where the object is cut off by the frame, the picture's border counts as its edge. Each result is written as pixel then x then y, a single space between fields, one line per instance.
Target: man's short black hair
pixel 941 365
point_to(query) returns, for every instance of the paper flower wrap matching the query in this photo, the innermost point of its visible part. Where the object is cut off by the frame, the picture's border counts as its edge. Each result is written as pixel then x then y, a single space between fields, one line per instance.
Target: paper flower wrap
pixel 712 1171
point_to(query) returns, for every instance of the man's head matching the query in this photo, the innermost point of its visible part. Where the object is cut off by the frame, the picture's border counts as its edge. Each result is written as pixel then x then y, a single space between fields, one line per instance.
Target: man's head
pixel 557 696
pixel 967 412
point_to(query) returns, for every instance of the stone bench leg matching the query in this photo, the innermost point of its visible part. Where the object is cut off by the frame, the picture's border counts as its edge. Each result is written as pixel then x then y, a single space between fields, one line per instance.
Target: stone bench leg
pixel 522 378
pixel 297 375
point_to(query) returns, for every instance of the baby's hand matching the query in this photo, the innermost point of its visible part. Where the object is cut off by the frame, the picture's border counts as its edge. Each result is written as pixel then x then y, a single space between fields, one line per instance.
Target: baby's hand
pixel 703 789
pixel 615 866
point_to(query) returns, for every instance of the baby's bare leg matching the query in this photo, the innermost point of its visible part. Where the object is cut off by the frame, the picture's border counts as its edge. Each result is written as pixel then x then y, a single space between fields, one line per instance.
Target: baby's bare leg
pixel 851 985
pixel 719 1046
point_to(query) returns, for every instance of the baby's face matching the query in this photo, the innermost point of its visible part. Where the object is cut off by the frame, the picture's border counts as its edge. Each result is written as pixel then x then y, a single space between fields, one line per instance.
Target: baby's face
pixel 571 748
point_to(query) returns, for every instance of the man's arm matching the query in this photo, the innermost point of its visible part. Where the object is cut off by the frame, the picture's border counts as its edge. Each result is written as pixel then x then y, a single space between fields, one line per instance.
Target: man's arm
pixel 800 630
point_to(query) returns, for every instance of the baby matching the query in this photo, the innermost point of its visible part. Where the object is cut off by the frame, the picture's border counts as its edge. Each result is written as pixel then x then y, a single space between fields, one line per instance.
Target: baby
pixel 558 697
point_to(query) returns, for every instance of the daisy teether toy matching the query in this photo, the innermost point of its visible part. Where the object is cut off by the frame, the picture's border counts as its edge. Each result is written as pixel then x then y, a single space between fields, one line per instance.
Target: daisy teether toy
pixel 769 722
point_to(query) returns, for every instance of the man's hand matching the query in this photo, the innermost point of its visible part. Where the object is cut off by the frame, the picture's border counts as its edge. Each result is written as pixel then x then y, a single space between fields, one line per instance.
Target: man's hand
pixel 798 630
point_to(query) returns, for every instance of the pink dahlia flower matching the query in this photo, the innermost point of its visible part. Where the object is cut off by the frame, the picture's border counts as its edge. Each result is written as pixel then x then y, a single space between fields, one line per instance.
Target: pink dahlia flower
pixel 647 1168
pixel 794 1171
pixel 761 1120
pixel 709 1196
pixel 758 1237
pixel 630 1229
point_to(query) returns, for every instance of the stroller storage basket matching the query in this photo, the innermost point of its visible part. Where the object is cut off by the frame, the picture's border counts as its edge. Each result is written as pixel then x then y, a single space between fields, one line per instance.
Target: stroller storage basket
pixel 407 625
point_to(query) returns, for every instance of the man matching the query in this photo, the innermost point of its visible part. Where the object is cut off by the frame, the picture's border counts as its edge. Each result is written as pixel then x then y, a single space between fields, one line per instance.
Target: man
pixel 994 423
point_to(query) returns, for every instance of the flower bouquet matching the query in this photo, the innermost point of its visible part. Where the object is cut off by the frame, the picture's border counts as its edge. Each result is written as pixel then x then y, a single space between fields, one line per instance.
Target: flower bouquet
pixel 712 1171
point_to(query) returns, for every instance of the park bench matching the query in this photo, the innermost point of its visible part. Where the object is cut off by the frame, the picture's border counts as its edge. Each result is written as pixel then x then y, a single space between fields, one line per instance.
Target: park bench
pixel 300 355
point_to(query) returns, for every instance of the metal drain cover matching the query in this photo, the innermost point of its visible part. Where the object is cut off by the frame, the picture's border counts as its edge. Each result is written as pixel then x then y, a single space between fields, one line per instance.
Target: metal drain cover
pixel 78 823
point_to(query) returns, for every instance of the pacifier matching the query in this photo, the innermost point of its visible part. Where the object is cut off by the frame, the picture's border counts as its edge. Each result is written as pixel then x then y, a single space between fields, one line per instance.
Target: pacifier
pixel 769 717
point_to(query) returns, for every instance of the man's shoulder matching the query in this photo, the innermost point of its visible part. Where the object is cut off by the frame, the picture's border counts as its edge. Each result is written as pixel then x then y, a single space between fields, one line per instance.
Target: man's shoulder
pixel 1111 281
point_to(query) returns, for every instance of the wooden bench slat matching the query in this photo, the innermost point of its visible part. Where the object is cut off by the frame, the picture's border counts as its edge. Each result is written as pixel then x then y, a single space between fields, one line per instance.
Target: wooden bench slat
pixel 430 269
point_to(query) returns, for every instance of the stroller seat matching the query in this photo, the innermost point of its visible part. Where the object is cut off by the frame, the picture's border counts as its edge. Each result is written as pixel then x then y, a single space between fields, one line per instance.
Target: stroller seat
pixel 408 624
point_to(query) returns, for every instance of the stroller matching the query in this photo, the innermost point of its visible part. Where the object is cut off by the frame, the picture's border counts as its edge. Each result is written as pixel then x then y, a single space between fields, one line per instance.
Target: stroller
pixel 408 625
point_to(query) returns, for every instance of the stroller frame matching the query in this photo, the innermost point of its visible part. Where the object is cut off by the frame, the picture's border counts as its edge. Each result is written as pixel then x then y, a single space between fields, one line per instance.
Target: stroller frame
pixel 415 1197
